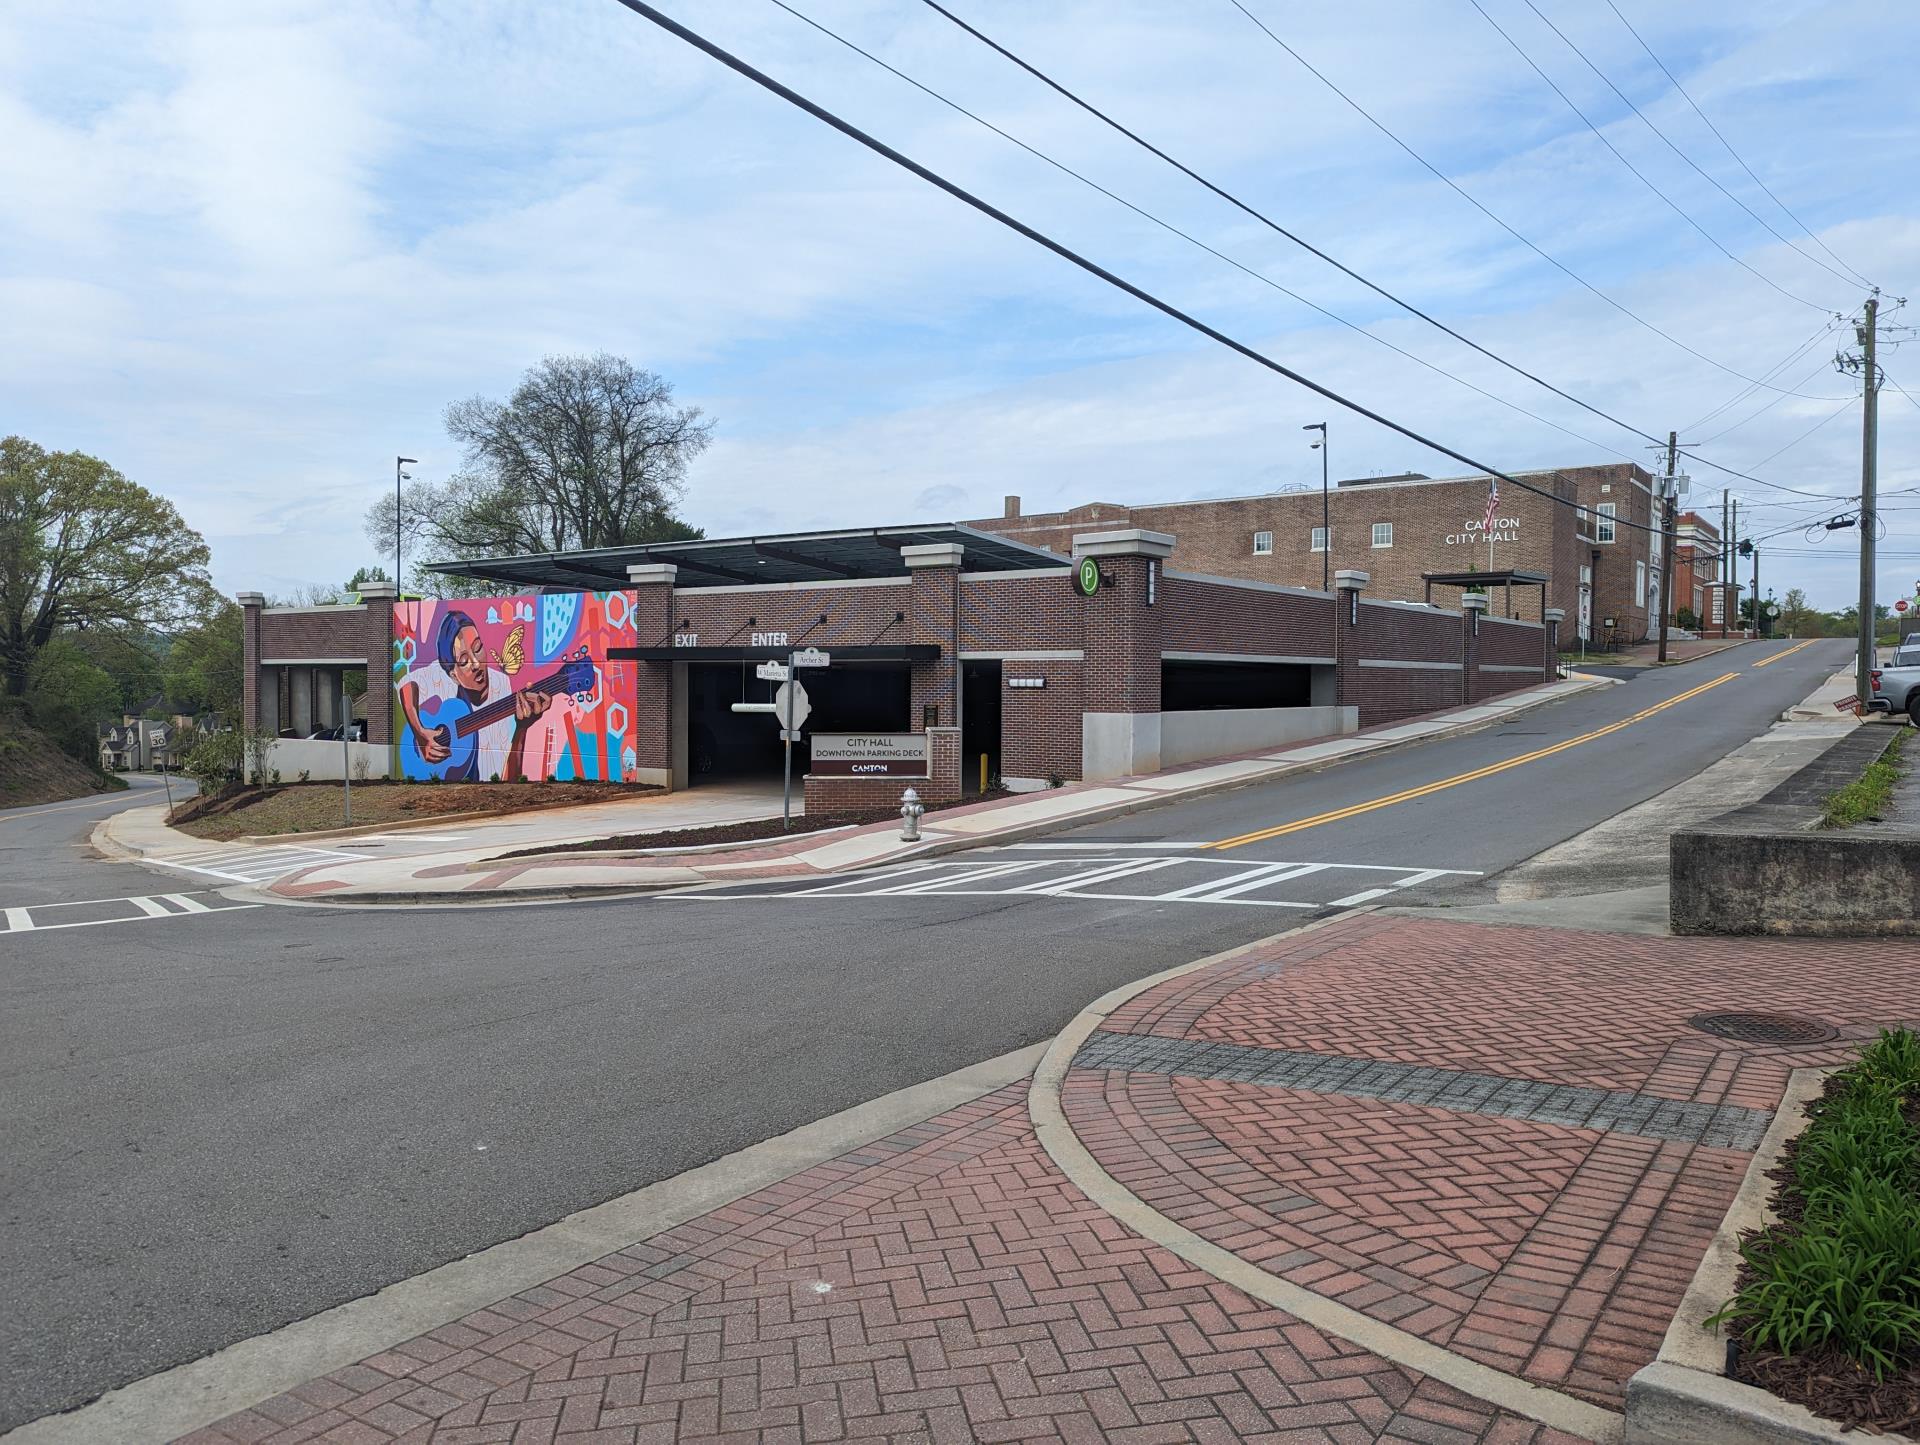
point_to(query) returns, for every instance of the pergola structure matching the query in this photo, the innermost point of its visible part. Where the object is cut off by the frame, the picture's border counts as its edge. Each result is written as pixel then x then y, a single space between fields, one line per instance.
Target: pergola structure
pixel 1487 581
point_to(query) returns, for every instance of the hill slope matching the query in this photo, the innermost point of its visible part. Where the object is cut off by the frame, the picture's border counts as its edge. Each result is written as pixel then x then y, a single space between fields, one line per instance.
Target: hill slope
pixel 33 770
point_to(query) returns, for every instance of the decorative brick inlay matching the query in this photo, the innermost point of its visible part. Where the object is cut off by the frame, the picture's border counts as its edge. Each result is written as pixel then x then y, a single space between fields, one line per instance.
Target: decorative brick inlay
pixel 943 1284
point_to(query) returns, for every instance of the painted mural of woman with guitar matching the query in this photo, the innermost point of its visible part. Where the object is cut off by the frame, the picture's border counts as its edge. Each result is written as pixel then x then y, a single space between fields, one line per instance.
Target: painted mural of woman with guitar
pixel 465 721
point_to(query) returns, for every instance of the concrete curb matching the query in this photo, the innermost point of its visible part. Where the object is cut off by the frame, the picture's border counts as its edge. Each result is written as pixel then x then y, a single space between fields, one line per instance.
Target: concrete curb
pixel 1684 1396
pixel 953 844
pixel 1063 1146
pixel 190 1396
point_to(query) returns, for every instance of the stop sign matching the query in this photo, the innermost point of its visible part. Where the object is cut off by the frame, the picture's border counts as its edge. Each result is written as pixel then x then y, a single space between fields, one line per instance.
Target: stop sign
pixel 1901 605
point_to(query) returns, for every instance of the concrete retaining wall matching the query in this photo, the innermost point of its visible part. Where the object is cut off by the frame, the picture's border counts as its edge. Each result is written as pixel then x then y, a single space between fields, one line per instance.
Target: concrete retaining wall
pixel 1190 737
pixel 323 762
pixel 1767 869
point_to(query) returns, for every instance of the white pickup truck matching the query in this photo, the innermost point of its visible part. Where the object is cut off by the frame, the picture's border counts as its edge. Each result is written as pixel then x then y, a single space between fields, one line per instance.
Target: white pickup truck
pixel 1896 686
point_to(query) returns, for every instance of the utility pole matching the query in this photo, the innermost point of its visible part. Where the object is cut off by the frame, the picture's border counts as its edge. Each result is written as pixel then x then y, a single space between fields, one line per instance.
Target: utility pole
pixel 1720 572
pixel 1733 566
pixel 1756 594
pixel 1869 481
pixel 1666 538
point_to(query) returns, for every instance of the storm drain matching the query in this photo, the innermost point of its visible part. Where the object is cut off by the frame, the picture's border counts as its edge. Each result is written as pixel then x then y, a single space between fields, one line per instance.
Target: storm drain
pixel 1764 1028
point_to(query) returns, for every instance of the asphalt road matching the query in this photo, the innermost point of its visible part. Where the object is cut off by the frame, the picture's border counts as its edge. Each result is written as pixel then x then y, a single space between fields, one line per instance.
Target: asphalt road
pixel 220 1122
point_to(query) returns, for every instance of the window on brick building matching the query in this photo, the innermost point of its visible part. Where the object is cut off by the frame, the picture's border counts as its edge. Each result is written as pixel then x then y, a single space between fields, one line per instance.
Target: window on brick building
pixel 1318 541
pixel 1383 534
pixel 1263 544
pixel 1639 584
pixel 1603 525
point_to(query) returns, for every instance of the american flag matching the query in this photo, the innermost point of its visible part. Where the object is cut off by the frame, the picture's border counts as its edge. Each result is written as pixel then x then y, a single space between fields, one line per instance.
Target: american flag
pixel 1493 502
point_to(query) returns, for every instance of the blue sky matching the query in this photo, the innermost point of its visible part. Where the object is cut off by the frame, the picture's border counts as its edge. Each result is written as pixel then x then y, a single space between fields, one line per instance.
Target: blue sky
pixel 255 249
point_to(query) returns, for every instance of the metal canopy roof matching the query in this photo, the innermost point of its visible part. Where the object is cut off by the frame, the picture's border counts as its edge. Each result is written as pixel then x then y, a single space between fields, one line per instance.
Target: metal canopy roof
pixel 861 555
pixel 1485 579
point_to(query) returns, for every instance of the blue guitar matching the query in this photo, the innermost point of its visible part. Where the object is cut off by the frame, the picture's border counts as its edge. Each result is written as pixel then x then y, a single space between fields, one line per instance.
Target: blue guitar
pixel 457 723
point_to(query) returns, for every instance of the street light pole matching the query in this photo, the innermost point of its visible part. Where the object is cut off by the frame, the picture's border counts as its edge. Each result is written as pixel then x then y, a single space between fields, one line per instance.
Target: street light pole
pixel 398 477
pixel 1326 518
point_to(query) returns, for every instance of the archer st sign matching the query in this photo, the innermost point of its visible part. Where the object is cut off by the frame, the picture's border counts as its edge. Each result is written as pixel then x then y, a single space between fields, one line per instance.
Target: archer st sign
pixel 1505 529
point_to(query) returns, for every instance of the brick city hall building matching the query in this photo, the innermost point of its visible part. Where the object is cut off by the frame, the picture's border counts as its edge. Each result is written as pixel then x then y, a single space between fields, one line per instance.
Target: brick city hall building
pixel 1600 566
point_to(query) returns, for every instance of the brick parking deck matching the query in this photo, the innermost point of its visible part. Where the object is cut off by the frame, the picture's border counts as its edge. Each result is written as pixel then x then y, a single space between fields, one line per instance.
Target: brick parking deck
pixel 1524 1175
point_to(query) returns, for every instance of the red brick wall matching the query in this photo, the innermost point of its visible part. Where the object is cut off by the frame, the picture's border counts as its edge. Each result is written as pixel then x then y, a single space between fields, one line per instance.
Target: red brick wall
pixel 1208 617
pixel 653 619
pixel 856 616
pixel 1007 614
pixel 1123 639
pixel 1384 694
pixel 1040 726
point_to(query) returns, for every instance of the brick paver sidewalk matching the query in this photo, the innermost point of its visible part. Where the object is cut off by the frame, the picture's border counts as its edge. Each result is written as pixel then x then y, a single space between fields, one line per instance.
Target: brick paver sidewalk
pixel 1505 1141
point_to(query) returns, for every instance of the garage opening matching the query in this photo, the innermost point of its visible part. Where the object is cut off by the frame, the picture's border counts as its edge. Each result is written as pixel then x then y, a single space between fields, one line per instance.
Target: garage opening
pixel 848 697
pixel 1207 686
pixel 980 700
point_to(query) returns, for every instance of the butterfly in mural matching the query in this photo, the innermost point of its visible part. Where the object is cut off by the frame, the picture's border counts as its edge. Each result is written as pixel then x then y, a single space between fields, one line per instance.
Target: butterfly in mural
pixel 513 656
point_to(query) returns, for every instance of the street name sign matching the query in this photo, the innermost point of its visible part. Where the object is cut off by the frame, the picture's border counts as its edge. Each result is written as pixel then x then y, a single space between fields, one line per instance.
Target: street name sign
pixel 811 657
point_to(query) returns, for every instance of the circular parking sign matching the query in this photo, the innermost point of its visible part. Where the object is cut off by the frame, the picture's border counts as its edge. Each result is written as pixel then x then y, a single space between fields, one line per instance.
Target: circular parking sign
pixel 1086 577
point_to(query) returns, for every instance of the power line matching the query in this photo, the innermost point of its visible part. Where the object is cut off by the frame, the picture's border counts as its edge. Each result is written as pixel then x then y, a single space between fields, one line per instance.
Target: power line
pixel 1620 156
pixel 1408 306
pixel 1774 370
pixel 1196 241
pixel 1667 141
pixel 1768 406
pixel 1465 195
pixel 1686 96
pixel 1845 406
pixel 1092 268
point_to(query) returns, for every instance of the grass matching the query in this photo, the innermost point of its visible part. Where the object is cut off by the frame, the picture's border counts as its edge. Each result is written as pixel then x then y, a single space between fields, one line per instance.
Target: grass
pixel 1865 799
pixel 1846 1274
pixel 316 807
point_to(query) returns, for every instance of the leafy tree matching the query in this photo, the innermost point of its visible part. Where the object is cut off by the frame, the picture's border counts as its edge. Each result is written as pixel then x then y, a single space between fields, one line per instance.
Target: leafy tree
pixel 68 696
pixel 84 548
pixel 206 667
pixel 1795 615
pixel 589 451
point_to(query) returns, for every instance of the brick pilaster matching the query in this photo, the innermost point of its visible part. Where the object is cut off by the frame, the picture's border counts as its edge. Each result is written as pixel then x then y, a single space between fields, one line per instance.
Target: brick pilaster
pixel 933 616
pixel 250 605
pixel 1472 606
pixel 1348 584
pixel 653 714
pixel 376 630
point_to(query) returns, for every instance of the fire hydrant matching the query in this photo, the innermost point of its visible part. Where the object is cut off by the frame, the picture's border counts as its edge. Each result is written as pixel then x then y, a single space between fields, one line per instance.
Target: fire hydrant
pixel 910 810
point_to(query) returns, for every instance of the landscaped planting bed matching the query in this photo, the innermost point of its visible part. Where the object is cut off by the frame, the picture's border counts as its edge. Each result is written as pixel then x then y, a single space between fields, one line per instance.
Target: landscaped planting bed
pixel 1827 1312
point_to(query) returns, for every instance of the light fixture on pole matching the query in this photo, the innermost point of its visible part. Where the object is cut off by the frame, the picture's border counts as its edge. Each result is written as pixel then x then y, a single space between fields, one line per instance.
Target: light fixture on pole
pixel 1326 518
pixel 399 476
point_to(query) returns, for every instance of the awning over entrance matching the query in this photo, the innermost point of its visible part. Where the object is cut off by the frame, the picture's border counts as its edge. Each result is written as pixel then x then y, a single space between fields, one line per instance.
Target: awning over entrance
pixel 869 553
pixel 873 652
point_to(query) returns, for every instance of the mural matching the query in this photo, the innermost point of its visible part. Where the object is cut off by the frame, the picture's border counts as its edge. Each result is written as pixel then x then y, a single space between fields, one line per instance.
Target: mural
pixel 506 689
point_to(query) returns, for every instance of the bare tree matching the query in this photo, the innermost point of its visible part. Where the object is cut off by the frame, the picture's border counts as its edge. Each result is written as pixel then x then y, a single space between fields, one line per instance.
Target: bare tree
pixel 589 451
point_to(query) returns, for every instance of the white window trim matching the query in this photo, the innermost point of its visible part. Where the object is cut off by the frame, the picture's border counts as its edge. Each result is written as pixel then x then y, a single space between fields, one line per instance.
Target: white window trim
pixel 1258 538
pixel 1317 540
pixel 1376 534
pixel 1604 529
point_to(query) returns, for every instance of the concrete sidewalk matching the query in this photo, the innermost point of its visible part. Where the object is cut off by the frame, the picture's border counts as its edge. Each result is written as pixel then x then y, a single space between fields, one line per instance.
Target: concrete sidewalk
pixel 1310 1190
pixel 477 873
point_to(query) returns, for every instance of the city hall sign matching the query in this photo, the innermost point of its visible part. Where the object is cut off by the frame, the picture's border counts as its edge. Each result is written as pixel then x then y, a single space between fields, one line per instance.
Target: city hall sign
pixel 1505 529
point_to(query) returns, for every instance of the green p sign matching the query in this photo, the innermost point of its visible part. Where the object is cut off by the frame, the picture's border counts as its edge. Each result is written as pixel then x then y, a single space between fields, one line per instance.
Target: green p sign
pixel 1086 577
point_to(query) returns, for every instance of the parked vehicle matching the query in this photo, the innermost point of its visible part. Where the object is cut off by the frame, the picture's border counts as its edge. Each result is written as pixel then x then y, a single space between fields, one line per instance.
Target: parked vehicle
pixel 356 733
pixel 1896 688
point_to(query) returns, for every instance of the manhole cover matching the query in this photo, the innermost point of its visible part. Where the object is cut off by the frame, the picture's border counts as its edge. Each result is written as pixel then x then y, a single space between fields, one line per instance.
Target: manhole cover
pixel 1764 1028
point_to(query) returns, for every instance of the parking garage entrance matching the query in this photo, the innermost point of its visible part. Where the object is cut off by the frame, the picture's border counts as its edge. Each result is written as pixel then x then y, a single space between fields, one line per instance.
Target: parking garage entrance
pixel 850 696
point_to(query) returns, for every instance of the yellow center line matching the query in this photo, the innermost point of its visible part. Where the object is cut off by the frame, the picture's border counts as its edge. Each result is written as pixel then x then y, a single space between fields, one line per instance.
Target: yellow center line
pixel 1420 792
pixel 1788 653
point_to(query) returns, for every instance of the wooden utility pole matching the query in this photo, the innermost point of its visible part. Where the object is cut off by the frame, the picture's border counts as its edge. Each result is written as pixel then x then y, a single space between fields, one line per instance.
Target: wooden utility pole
pixel 1666 540
pixel 1869 481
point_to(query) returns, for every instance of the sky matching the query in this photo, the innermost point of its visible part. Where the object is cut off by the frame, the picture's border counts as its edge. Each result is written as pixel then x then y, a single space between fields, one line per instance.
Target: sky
pixel 253 250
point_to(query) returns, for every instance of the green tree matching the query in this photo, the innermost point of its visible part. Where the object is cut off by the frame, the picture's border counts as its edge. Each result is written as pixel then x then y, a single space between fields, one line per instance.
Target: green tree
pixel 82 548
pixel 589 451
pixel 1795 615
pixel 206 666
pixel 68 696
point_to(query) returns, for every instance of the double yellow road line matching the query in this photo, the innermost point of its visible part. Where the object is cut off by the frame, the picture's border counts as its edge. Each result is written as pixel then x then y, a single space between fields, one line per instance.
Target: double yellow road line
pixel 1420 792
pixel 1763 662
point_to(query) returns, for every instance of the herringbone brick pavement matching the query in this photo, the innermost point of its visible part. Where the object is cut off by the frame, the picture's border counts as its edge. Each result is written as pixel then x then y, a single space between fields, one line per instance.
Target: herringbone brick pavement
pixel 1557 1254
pixel 947 1284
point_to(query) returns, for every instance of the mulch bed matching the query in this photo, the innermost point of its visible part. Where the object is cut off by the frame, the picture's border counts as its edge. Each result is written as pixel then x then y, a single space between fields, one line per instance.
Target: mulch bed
pixel 751 831
pixel 301 807
pixel 1827 1381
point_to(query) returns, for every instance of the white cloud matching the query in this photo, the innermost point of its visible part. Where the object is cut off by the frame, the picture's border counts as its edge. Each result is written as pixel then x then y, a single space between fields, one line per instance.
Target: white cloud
pixel 263 246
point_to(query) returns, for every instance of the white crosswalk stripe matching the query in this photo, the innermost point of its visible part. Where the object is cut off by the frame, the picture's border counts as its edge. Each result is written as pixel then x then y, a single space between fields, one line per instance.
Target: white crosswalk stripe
pixel 1176 878
pixel 254 865
pixel 37 918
